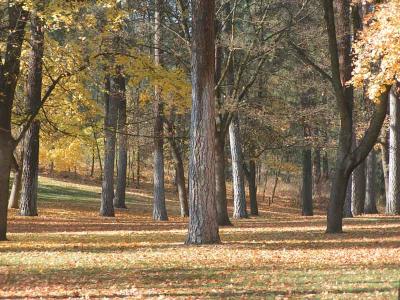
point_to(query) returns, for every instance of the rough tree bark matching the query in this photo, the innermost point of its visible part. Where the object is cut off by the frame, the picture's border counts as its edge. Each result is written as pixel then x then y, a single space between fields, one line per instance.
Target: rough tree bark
pixel 30 167
pixel 9 72
pixel 393 200
pixel 112 99
pixel 370 194
pixel 159 208
pixel 119 199
pixel 203 224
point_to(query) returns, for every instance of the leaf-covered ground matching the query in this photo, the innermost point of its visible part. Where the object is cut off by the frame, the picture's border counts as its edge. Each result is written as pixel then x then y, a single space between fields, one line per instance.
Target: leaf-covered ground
pixel 71 252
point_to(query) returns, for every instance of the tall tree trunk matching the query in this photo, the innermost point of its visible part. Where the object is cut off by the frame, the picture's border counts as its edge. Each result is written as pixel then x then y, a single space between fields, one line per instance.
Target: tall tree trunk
pixel 13 201
pixel 112 99
pixel 370 195
pixel 9 73
pixel 119 200
pixel 239 194
pixel 203 224
pixel 220 181
pixel 393 200
pixel 159 208
pixel 30 168
pixel 307 201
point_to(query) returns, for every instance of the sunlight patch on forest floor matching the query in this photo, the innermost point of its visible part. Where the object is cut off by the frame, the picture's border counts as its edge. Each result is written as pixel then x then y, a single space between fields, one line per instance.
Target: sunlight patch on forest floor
pixel 70 251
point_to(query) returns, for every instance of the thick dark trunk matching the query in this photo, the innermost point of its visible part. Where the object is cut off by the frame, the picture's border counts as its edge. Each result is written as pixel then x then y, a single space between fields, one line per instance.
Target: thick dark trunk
pixel 5 166
pixel 28 203
pixel 9 73
pixel 370 195
pixel 307 201
pixel 252 188
pixel 239 194
pixel 393 200
pixel 112 99
pixel 203 224
pixel 220 181
pixel 119 199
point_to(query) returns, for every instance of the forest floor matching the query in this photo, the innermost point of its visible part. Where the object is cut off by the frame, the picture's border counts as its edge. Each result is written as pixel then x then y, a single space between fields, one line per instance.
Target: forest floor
pixel 71 252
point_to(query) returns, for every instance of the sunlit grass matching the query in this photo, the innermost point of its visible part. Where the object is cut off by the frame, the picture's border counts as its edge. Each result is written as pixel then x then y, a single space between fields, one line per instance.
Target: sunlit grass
pixel 70 251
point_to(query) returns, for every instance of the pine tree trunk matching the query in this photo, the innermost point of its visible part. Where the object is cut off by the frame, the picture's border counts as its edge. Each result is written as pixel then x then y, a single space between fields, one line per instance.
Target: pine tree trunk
pixel 111 107
pixel 28 203
pixel 220 181
pixel 370 195
pixel 30 169
pixel 307 201
pixel 253 188
pixel 393 200
pixel 119 199
pixel 239 195
pixel 159 208
pixel 203 224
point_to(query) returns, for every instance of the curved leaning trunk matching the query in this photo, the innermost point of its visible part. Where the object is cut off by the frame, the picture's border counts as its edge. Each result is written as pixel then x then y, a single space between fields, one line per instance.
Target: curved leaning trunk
pixel 119 199
pixel 370 194
pixel 30 169
pixel 220 181
pixel 239 194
